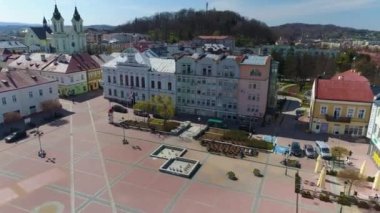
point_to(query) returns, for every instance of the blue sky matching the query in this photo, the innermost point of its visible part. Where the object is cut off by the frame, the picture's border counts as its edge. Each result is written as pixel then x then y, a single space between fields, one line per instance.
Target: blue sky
pixel 364 14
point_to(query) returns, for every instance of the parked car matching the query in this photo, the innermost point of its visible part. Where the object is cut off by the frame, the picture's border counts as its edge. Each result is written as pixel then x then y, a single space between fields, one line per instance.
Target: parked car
pixel 15 136
pixel 323 150
pixel 118 108
pixel 309 151
pixel 141 113
pixel 295 149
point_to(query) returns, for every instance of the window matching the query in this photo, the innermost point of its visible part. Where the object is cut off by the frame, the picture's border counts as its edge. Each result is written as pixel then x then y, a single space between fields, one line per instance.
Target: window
pixel 114 79
pixel 122 94
pixel 109 79
pixel 188 69
pixel 4 100
pixel 323 110
pixel 142 82
pixel 255 73
pixel 132 83
pixel 62 80
pixel 14 99
pixel 126 81
pixel 121 80
pixel 82 77
pixel 137 81
pixel 159 84
pixel 71 79
pixel 350 113
pixel 109 92
pixel 337 112
pixel 30 94
pixel 143 97
pixel 115 92
pixel 50 90
pixel 152 84
pixel 41 92
pixel 361 113
pixel 169 86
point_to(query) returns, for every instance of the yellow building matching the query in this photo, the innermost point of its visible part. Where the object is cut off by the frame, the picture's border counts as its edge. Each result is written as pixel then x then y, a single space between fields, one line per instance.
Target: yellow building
pixel 341 105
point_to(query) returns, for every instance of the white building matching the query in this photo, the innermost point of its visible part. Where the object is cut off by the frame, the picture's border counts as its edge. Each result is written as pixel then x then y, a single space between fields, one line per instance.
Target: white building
pixel 54 38
pixel 133 76
pixel 23 93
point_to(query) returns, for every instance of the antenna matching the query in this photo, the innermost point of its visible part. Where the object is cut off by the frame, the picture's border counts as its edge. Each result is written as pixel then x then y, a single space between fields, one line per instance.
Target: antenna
pixel 206 6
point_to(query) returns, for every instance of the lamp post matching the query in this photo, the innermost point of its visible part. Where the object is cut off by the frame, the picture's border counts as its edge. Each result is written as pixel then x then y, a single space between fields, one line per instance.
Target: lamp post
pixel 344 193
pixel 286 163
pixel 199 120
pixel 41 152
pixel 125 141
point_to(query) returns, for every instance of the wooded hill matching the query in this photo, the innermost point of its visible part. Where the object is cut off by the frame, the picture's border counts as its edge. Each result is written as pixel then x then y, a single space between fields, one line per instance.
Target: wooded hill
pixel 295 31
pixel 187 24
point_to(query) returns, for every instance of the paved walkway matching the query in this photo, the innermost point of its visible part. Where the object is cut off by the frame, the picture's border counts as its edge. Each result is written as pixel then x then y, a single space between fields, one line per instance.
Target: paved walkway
pixel 90 170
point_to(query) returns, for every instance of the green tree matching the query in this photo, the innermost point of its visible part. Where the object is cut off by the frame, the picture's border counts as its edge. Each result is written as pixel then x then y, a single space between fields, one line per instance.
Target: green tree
pixel 338 151
pixel 163 106
pixel 143 105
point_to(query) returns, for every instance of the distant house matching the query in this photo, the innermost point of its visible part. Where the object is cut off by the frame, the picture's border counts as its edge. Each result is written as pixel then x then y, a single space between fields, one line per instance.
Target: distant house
pixel 13 46
pixel 341 105
pixel 227 41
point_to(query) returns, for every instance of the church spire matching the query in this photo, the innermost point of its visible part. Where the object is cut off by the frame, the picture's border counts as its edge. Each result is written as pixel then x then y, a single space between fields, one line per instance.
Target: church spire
pixel 44 22
pixel 76 15
pixel 56 14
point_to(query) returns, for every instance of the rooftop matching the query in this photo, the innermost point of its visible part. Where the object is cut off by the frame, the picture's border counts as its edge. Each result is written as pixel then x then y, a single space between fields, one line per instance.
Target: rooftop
pixel 350 75
pixel 344 90
pixel 255 60
pixel 11 45
pixel 18 79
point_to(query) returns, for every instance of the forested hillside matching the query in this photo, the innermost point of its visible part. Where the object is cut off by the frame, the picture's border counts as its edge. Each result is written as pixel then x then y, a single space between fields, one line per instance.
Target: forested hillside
pixel 187 24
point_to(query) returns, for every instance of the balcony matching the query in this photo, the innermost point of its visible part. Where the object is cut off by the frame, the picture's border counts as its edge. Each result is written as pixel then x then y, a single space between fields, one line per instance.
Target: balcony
pixel 338 119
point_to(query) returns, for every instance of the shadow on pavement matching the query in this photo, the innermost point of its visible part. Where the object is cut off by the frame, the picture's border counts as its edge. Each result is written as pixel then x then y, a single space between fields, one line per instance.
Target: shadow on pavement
pixel 84 97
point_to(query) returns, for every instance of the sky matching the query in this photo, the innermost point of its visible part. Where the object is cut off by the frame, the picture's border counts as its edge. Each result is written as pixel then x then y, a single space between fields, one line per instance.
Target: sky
pixel 361 14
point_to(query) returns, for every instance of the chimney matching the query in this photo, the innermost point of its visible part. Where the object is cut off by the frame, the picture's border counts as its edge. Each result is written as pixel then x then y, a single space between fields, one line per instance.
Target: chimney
pixel 43 57
pixel 27 56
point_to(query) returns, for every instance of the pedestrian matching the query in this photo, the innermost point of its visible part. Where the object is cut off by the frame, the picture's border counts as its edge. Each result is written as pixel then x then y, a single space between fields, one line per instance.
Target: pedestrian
pixel 72 100
pixel 350 153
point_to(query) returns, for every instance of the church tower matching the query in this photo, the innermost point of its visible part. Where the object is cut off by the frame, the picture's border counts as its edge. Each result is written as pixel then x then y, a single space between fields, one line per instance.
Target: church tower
pixel 78 38
pixel 59 36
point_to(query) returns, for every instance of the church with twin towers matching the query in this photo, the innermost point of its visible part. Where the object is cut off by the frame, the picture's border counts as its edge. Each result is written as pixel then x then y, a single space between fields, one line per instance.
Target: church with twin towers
pixel 57 38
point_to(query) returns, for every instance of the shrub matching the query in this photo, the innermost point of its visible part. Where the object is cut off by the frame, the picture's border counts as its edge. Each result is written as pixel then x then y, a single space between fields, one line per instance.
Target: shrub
pixel 332 172
pixel 363 204
pixel 370 179
pixel 259 144
pixel 293 163
pixel 257 173
pixel 324 197
pixel 231 175
pixel 376 207
pixel 344 200
pixel 235 135
pixel 307 194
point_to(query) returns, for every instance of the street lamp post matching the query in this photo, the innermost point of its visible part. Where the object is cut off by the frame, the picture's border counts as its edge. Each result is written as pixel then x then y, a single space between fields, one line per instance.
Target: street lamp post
pixel 125 141
pixel 286 163
pixel 344 193
pixel 41 152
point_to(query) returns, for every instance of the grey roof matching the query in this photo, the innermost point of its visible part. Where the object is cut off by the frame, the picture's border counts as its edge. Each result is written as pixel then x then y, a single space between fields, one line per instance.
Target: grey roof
pixel 162 65
pixel 41 32
pixel 11 45
pixel 255 60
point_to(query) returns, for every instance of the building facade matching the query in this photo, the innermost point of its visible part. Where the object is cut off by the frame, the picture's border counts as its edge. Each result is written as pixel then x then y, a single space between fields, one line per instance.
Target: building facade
pixel 341 105
pixel 256 92
pixel 23 93
pixel 55 38
pixel 373 132
pixel 76 74
pixel 133 76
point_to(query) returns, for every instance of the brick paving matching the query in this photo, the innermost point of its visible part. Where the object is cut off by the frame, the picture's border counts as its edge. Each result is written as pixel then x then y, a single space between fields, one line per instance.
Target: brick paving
pixel 100 174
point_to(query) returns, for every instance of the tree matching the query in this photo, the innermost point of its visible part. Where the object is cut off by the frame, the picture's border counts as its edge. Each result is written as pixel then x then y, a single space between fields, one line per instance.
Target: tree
pixel 143 105
pixel 352 177
pixel 338 151
pixel 163 106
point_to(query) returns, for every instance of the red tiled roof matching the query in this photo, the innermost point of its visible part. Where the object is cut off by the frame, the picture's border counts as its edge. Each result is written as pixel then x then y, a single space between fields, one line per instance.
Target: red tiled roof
pixel 343 90
pixel 82 62
pixel 350 75
pixel 17 79
pixel 214 37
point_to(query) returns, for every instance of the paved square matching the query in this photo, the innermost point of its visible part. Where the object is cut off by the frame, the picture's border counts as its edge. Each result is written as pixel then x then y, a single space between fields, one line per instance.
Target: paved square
pixel 90 170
